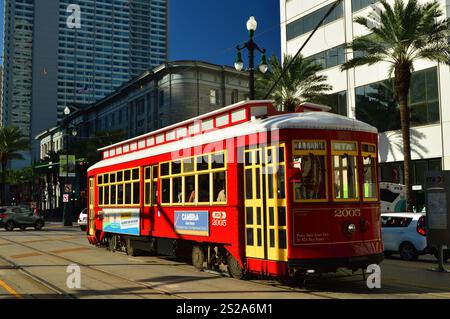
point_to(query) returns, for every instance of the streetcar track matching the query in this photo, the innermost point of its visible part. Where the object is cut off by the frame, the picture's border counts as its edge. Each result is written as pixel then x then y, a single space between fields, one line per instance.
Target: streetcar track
pixel 20 268
pixel 402 288
pixel 36 279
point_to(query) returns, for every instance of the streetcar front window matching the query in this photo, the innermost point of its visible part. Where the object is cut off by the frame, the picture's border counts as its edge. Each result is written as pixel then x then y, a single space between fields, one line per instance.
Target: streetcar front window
pixel 345 177
pixel 309 171
pixel 345 170
pixel 369 155
pixel 310 178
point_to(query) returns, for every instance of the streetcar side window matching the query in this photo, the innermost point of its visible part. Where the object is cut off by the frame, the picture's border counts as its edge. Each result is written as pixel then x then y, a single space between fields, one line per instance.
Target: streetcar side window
pixel 345 171
pixel 369 155
pixel 219 187
pixel 193 180
pixel 121 188
pixel 147 185
pixel 310 171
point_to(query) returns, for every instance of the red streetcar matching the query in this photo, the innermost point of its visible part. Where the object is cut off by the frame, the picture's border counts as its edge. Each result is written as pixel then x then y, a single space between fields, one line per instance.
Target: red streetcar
pixel 245 186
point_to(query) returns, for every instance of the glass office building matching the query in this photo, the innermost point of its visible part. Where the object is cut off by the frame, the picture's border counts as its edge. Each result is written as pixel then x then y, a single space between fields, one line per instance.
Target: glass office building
pixel 367 93
pixel 50 64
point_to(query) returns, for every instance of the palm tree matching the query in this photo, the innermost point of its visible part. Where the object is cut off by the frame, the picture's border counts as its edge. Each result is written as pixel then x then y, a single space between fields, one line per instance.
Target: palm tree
pixel 401 35
pixel 12 142
pixel 299 83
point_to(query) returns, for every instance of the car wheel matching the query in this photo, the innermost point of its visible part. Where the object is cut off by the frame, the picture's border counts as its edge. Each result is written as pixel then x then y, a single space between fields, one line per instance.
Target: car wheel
pixel 408 252
pixel 39 224
pixel 9 226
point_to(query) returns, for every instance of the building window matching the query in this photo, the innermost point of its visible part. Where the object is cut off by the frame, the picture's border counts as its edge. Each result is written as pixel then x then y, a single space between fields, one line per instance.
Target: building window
pixel 337 102
pixel 310 21
pixel 213 96
pixel 161 98
pixel 360 4
pixel 234 96
pixel 374 101
pixel 329 58
pixel 140 107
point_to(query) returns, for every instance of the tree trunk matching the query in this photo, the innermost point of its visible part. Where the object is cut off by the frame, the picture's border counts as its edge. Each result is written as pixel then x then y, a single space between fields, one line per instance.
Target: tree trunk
pixel 3 186
pixel 402 84
pixel 290 105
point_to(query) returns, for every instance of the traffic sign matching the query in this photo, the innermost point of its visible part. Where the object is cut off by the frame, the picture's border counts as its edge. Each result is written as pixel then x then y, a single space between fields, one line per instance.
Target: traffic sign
pixel 68 188
pixel 66 198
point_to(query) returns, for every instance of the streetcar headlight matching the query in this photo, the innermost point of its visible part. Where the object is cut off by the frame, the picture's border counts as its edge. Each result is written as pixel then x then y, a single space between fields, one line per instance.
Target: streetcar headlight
pixel 351 228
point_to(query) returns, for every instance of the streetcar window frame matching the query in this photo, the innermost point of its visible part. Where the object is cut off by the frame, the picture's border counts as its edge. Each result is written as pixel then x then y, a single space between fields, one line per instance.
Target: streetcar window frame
pixel 316 152
pixel 370 150
pixel 195 166
pixel 351 153
pixel 109 183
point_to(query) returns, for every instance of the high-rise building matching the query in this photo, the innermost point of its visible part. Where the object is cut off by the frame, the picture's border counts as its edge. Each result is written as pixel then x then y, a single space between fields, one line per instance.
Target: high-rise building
pixel 18 66
pixel 365 92
pixel 62 52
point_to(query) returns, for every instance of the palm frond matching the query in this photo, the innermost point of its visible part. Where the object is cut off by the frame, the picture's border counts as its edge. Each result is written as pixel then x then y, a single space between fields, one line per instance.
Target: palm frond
pixel 298 83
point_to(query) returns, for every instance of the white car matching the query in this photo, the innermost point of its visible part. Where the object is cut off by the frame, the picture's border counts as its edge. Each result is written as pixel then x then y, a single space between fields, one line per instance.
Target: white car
pixel 404 234
pixel 82 219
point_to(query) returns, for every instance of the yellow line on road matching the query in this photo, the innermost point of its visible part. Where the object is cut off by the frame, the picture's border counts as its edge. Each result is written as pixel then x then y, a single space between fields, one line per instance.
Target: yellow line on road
pixel 10 290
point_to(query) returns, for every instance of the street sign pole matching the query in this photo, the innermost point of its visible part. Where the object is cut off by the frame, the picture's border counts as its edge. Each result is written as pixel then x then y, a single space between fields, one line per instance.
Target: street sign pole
pixel 441 267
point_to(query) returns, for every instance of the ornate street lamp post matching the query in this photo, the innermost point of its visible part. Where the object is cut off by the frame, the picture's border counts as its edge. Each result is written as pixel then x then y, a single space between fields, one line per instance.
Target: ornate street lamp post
pixel 67 219
pixel 251 46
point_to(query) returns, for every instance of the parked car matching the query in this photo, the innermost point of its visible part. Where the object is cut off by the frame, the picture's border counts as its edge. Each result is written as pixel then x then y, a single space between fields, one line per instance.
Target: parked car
pixel 82 219
pixel 12 217
pixel 404 234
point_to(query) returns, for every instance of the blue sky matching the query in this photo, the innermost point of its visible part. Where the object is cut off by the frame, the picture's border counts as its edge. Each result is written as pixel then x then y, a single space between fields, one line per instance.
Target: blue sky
pixel 209 30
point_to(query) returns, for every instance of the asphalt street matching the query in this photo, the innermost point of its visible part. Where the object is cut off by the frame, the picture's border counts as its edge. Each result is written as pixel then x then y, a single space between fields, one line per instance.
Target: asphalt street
pixel 43 264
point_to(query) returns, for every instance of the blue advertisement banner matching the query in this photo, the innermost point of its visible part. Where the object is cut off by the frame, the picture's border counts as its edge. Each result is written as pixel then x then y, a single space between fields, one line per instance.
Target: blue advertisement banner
pixel 192 223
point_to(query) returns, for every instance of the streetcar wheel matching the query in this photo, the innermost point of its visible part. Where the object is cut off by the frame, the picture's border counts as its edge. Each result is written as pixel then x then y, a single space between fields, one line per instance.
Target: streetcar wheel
pixel 235 270
pixel 408 252
pixel 9 226
pixel 131 251
pixel 112 244
pixel 198 257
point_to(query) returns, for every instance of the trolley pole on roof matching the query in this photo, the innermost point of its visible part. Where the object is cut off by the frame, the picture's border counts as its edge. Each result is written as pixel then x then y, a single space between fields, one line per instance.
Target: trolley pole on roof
pixel 251 46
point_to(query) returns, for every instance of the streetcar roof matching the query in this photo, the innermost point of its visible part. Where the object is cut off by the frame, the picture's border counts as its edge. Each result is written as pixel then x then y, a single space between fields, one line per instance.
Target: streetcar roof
pixel 309 120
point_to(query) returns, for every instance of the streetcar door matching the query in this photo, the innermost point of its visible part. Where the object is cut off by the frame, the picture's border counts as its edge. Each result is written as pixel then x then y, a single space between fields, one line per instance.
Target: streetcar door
pixel 91 213
pixel 275 192
pixel 254 204
pixel 265 203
